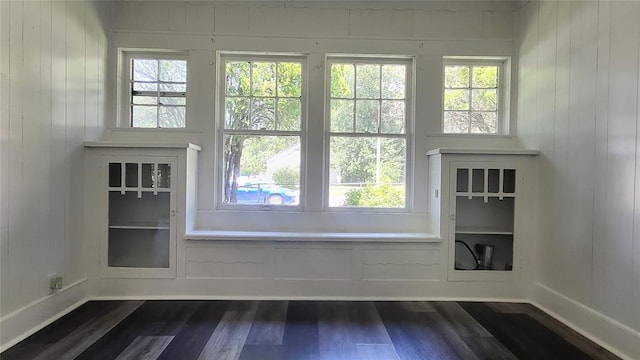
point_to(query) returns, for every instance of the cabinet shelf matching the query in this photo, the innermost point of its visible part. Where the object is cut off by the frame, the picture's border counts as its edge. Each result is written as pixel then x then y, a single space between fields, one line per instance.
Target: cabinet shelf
pixel 138 227
pixel 500 196
pixel 141 189
pixel 483 231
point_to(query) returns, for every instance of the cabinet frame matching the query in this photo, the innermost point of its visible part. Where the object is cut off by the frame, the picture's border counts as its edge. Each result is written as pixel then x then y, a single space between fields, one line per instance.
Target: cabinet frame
pixel 453 220
pixel 138 272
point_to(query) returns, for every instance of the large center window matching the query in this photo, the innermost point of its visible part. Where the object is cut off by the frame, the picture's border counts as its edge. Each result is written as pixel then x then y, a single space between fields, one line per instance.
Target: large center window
pixel 368 132
pixel 262 130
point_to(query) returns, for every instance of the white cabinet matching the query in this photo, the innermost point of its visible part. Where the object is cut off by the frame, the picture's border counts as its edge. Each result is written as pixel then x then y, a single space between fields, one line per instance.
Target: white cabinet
pixel 484 212
pixel 141 199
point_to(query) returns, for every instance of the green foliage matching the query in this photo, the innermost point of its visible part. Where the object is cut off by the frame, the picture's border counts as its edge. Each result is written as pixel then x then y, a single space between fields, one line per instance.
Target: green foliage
pixel 358 159
pixel 377 196
pixel 471 92
pixel 287 177
pixel 342 80
pixel 485 77
pixel 258 149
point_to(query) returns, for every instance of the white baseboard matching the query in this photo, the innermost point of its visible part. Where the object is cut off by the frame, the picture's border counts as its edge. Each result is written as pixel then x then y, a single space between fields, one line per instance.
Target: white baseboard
pixel 18 325
pixel 306 298
pixel 614 336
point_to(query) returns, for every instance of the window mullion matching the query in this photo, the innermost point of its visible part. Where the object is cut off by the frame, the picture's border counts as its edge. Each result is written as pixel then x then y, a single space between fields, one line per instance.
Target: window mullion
pixel 158 95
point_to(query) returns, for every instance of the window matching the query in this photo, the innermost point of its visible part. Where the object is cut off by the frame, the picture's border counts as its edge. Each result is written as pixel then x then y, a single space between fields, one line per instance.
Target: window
pixel 473 97
pixel 262 134
pixel 156 91
pixel 368 138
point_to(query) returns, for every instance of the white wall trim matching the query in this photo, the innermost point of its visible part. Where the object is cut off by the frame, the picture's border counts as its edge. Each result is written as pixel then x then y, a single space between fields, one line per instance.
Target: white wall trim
pixel 612 335
pixel 307 298
pixel 24 322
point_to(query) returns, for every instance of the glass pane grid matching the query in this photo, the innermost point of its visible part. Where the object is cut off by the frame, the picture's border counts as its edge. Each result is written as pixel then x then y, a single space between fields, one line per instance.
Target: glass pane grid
pixel 273 91
pixel 159 84
pixel 471 99
pixel 362 98
pixel 262 133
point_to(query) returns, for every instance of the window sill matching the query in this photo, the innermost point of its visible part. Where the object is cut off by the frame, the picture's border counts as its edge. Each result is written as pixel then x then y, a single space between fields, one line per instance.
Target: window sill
pixel 286 236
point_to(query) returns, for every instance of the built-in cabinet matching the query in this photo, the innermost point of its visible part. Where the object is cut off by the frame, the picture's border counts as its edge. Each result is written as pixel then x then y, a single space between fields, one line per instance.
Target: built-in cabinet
pixel 143 188
pixel 483 205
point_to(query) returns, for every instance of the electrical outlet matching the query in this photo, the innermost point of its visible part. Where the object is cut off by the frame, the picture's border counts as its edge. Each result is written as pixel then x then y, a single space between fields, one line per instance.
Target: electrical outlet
pixel 55 283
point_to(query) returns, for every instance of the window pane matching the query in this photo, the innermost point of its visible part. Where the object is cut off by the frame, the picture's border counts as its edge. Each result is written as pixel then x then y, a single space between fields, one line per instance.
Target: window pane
pixel 261 169
pixel 144 69
pixel 393 117
pixel 236 113
pixel 173 101
pixel 367 172
pixel 263 114
pixel 289 114
pixel 342 80
pixel 484 100
pixel 367 81
pixel 158 82
pixel 264 79
pixel 456 77
pixel 456 122
pixel 393 81
pixel 145 86
pixel 171 117
pixel 485 77
pixel 173 87
pixel 342 115
pixel 144 116
pixel 367 114
pixel 173 70
pixel 237 78
pixel 146 100
pixel 483 122
pixel 289 79
pixel 456 99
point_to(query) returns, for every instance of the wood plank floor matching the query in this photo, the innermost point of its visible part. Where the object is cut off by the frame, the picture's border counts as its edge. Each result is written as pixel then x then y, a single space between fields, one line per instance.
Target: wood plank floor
pixel 299 330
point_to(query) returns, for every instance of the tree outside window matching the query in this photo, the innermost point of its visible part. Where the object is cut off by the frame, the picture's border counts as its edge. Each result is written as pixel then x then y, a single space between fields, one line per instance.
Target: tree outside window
pixel 471 99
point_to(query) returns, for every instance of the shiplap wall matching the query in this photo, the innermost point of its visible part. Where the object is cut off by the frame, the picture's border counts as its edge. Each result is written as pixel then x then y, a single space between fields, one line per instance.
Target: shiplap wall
pixel 53 56
pixel 578 102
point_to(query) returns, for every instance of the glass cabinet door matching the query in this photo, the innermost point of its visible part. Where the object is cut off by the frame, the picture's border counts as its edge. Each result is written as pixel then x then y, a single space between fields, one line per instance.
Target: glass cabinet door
pixel 484 204
pixel 139 215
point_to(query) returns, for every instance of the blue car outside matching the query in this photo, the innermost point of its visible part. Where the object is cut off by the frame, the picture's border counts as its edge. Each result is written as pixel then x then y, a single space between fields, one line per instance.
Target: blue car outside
pixel 265 194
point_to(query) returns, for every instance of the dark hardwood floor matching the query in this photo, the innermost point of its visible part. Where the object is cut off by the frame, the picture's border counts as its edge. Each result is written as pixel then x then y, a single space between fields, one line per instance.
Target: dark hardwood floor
pixel 305 330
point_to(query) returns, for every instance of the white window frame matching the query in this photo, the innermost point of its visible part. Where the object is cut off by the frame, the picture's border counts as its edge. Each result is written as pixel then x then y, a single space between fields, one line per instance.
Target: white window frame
pixel 124 84
pixel 222 58
pixel 409 62
pixel 503 89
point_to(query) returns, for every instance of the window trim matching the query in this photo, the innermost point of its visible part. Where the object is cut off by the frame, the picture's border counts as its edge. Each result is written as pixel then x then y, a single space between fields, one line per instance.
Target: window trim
pixel 222 57
pixel 410 63
pixel 124 96
pixel 504 91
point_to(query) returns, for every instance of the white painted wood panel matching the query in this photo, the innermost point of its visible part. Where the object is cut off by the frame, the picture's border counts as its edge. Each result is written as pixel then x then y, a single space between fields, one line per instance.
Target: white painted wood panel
pixel 313 264
pixel 218 262
pixel 53 54
pixel 603 180
pixel 545 111
pixel 623 90
pixel 4 147
pixel 401 265
pixel 587 87
pixel 200 17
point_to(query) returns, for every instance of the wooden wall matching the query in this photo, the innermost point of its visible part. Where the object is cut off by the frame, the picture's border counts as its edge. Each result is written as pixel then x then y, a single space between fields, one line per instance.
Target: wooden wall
pixel 578 102
pixel 53 56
